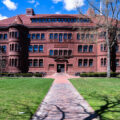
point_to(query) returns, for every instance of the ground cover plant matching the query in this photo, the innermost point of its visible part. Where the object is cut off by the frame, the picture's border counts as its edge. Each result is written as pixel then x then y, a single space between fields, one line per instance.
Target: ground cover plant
pixel 103 94
pixel 20 97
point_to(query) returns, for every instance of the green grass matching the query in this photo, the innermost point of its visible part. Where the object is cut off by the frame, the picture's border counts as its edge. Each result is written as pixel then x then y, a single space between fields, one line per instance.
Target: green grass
pixel 20 97
pixel 102 94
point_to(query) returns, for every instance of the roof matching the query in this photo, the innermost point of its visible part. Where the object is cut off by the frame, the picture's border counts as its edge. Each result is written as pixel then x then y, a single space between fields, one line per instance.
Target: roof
pixel 26 20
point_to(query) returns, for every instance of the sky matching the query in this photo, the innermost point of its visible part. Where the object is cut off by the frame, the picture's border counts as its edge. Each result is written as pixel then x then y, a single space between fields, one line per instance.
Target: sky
pixel 9 8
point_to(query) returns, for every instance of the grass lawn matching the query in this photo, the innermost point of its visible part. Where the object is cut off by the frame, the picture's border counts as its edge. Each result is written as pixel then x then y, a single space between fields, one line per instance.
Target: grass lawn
pixel 20 97
pixel 102 94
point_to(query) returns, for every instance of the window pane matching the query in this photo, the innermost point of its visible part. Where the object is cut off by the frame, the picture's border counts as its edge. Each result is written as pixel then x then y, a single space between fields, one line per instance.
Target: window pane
pixel 55 36
pixel 51 36
pixel 30 62
pixel 37 36
pixel 40 48
pixel 5 36
pixel 101 47
pixel 91 62
pixel 35 48
pixel 1 36
pixel 35 63
pixel 80 62
pixel 42 36
pixel 33 36
pixel 85 48
pixel 55 52
pixel 65 36
pixel 69 36
pixel 30 48
pixel 78 36
pixel 60 37
pixel 51 53
pixel 41 63
pixel 29 36
pixel 91 48
pixel 80 48
pixel 85 62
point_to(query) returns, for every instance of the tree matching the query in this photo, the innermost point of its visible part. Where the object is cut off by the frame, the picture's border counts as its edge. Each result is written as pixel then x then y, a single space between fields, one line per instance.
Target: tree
pixel 107 18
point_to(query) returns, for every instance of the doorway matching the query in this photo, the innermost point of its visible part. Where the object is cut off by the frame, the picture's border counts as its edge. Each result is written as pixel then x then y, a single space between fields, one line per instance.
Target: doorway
pixel 60 68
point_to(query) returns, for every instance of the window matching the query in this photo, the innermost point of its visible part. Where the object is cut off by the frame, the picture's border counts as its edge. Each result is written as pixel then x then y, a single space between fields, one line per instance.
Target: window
pixel 65 52
pixel 69 36
pixel 69 52
pixel 117 62
pixel 91 62
pixel 51 36
pixel 29 36
pixel 65 36
pixel 60 52
pixel 41 63
pixel 60 37
pixel 42 36
pixel 33 36
pixel 85 62
pixel 5 36
pixel 30 62
pixel 116 48
pixel 80 48
pixel 118 36
pixel 4 49
pixel 91 48
pixel 101 47
pixel 82 36
pixel 35 63
pixel 55 52
pixel 37 36
pixel 51 53
pixel 55 36
pixel 87 36
pixel 80 62
pixel 30 48
pixel 85 48
pixel 102 62
pixel 40 48
pixel 35 48
pixel 78 36
pixel 91 36
pixel 1 36
pixel 16 35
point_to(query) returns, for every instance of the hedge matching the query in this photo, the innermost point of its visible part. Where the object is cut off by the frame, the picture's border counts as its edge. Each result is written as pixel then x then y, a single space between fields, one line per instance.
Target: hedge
pixel 102 74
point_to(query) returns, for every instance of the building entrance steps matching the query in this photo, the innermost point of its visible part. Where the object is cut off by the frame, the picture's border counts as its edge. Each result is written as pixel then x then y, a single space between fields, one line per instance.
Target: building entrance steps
pixel 63 102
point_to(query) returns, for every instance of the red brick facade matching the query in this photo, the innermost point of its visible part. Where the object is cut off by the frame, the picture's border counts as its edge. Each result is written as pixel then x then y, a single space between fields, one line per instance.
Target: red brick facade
pixel 53 43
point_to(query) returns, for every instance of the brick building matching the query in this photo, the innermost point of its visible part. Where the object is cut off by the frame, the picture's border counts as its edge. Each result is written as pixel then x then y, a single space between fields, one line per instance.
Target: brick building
pixel 54 43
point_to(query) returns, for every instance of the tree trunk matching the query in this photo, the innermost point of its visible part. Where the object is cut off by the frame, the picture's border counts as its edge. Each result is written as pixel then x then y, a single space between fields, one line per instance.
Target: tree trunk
pixel 108 54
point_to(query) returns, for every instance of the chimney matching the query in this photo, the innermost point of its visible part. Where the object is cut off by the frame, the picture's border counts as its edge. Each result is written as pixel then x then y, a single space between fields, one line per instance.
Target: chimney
pixel 29 11
pixel 91 12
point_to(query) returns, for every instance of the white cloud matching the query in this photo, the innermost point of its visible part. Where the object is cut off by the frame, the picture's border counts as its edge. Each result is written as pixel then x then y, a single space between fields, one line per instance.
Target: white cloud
pixel 10 5
pixel 36 4
pixel 58 13
pixel 3 17
pixel 70 4
pixel 31 1
pixel 73 4
pixel 56 1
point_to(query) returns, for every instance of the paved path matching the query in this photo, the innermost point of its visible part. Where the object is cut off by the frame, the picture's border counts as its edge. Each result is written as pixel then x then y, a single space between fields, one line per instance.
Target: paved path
pixel 63 102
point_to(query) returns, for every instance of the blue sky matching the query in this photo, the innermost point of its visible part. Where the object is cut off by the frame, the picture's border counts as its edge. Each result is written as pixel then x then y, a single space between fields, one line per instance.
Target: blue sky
pixel 10 8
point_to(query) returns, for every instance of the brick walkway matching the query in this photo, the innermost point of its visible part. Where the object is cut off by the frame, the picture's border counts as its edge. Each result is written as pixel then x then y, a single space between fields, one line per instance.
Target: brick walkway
pixel 63 102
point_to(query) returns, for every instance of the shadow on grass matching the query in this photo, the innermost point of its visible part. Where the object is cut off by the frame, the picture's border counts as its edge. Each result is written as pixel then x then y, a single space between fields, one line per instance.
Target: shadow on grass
pixel 22 111
pixel 111 105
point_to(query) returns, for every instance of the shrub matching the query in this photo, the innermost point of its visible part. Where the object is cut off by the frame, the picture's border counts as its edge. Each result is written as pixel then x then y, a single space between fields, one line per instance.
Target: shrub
pixel 102 74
